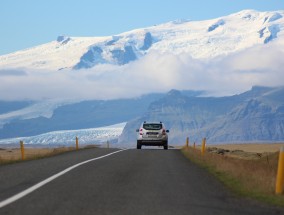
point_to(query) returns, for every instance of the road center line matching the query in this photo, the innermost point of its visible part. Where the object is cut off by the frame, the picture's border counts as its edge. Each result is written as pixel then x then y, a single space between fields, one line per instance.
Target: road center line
pixel 42 183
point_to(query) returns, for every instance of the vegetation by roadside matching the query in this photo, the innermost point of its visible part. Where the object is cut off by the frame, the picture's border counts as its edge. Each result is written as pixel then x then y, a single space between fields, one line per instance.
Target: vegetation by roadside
pixel 13 155
pixel 253 178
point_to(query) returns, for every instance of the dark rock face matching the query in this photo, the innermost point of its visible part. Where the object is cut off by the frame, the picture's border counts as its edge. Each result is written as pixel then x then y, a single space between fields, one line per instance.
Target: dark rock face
pixel 148 41
pixel 261 32
pixel 275 17
pixel 216 25
pixel 60 38
pixel 273 30
pixel 92 57
pixel 63 39
pixel 111 42
pixel 124 56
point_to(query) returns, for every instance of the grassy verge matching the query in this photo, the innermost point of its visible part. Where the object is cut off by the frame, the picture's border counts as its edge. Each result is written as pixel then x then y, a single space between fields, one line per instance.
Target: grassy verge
pixel 248 178
pixel 8 156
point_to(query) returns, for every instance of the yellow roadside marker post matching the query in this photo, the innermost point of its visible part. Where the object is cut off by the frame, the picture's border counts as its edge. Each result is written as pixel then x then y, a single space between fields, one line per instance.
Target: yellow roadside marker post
pixel 280 172
pixel 187 142
pixel 203 146
pixel 22 150
pixel 77 143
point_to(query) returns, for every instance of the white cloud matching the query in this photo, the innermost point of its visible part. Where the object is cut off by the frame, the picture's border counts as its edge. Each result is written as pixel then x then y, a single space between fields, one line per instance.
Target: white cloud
pixel 260 65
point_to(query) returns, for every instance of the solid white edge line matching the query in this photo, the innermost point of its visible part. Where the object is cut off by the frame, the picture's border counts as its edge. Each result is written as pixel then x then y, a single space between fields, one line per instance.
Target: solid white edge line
pixel 42 183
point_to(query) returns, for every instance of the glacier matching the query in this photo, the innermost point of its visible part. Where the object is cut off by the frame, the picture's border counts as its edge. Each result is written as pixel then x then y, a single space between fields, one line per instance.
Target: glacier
pixel 95 136
pixel 42 108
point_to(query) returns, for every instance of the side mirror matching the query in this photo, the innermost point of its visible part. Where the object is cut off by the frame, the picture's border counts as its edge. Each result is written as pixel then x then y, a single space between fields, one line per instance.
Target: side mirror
pixel 167 131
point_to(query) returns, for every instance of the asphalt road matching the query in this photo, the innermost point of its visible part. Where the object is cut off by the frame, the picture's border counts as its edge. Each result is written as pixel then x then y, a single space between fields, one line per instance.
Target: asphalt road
pixel 128 182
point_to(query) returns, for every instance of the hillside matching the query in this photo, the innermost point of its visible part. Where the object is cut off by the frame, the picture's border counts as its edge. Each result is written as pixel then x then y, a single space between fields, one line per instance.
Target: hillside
pixel 253 116
pixel 35 120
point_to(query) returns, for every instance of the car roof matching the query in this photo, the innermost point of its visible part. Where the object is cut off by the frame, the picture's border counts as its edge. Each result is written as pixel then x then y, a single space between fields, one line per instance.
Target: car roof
pixel 145 122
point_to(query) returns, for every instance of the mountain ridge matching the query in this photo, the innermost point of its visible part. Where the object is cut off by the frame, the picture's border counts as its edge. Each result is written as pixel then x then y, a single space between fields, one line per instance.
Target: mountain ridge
pixel 201 39
pixel 254 116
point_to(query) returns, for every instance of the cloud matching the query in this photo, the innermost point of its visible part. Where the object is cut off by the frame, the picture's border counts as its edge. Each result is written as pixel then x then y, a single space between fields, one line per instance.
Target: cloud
pixel 12 72
pixel 155 72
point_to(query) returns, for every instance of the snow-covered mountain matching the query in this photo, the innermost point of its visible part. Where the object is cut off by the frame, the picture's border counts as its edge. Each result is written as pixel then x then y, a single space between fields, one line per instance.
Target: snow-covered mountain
pixel 201 39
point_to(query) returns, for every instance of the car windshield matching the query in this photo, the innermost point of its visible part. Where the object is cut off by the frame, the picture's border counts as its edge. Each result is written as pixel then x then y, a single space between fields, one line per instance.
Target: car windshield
pixel 152 126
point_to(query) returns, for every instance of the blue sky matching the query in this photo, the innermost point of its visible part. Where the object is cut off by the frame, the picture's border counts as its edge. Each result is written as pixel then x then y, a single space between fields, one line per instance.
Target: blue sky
pixel 28 23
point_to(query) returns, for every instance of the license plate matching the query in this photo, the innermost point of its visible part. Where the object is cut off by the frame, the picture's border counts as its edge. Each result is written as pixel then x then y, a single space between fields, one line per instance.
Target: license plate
pixel 152 133
pixel 151 136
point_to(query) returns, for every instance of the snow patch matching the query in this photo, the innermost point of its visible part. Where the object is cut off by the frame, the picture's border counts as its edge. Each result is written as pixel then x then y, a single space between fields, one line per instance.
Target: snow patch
pixel 180 21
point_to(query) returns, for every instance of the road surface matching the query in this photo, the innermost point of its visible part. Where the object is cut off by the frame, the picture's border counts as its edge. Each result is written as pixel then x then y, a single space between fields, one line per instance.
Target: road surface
pixel 146 181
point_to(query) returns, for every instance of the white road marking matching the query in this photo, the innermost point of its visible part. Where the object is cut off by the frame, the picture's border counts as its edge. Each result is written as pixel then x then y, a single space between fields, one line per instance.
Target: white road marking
pixel 42 183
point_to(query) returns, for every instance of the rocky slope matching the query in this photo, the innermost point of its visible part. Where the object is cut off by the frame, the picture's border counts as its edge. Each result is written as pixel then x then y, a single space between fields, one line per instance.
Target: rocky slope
pixel 256 115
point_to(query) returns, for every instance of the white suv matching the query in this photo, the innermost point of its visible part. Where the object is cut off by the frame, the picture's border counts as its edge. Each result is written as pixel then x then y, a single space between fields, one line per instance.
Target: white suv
pixel 152 134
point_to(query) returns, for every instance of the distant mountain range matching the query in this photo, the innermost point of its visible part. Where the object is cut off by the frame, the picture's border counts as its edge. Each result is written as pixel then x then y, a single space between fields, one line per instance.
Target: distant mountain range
pixel 253 116
pixel 201 39
pixel 78 115
pixel 27 118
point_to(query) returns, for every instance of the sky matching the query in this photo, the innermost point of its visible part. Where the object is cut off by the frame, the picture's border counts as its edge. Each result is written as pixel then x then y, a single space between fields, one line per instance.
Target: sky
pixel 27 23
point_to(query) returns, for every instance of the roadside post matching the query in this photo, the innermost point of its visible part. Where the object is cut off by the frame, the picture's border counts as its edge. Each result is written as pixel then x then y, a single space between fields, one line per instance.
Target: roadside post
pixel 77 143
pixel 22 149
pixel 107 144
pixel 194 145
pixel 187 142
pixel 203 146
pixel 280 172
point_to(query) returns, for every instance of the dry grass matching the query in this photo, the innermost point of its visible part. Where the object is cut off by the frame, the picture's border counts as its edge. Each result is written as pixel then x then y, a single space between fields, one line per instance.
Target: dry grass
pixel 249 177
pixel 257 147
pixel 11 155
